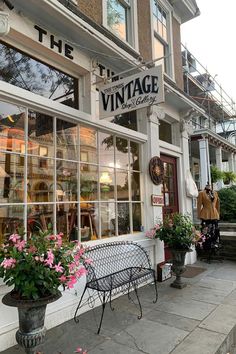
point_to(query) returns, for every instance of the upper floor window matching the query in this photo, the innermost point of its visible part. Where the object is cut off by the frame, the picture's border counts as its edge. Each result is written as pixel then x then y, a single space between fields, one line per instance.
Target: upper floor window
pixel 161 35
pixel 118 18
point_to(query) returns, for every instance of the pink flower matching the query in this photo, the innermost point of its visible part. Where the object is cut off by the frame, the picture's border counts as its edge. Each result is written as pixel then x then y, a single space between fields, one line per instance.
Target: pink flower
pixel 80 350
pixel 20 245
pixel 8 263
pixel 88 261
pixel 50 259
pixel 58 268
pixel 32 249
pixel 62 279
pixel 14 238
pixel 72 281
pixel 80 272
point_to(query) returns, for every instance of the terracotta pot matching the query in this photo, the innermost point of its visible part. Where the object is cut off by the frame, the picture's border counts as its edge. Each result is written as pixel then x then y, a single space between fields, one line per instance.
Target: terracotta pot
pixel 31 315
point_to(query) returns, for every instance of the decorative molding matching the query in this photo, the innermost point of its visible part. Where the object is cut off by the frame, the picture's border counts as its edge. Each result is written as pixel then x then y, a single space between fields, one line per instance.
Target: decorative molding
pixel 4 23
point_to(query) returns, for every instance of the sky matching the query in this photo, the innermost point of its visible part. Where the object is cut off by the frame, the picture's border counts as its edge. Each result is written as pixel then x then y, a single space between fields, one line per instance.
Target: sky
pixel 211 38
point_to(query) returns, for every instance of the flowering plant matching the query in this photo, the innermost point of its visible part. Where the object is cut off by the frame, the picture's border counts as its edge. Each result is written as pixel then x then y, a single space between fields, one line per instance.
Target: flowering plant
pixel 38 267
pixel 177 231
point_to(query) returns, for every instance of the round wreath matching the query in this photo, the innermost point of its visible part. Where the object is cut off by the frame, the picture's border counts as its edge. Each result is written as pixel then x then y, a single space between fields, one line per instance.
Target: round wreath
pixel 156 170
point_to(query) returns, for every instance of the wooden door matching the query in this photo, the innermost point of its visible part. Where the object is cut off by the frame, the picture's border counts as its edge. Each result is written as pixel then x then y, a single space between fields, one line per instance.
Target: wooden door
pixel 169 188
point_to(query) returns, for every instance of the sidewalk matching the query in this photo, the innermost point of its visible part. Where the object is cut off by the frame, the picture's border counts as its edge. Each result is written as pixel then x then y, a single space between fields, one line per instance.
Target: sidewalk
pixel 199 319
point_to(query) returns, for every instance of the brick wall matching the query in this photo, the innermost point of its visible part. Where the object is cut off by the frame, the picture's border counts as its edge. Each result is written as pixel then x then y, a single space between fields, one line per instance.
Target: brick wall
pixel 144 30
pixel 177 54
pixel 92 9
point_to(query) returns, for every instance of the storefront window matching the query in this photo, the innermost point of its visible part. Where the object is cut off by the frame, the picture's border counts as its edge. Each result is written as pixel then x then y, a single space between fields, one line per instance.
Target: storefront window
pixel 66 177
pixel 23 71
pixel 67 140
pixel 12 123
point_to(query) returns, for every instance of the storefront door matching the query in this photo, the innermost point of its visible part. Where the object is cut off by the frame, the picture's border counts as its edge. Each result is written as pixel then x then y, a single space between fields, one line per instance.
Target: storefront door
pixel 169 188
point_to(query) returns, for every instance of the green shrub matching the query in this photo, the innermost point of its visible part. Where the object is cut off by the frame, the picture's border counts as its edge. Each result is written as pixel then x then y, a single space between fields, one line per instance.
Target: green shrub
pixel 228 204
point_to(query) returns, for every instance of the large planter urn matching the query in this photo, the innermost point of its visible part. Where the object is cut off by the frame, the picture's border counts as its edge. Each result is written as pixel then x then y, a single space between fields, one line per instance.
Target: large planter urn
pixel 178 259
pixel 31 315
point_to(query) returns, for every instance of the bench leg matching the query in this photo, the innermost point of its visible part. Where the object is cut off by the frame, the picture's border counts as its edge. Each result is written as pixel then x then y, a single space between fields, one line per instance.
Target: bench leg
pixel 139 303
pixel 155 284
pixel 76 319
pixel 111 307
pixel 103 308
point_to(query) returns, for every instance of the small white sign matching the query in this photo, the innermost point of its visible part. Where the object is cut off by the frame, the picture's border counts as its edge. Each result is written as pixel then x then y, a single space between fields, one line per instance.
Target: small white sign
pixel 133 92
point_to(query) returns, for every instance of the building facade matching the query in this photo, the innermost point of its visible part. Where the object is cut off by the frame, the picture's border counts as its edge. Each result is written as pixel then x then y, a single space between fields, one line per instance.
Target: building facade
pixel 64 168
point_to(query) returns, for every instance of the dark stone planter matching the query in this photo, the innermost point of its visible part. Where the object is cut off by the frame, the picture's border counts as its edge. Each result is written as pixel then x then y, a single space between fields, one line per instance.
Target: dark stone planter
pixel 31 314
pixel 178 259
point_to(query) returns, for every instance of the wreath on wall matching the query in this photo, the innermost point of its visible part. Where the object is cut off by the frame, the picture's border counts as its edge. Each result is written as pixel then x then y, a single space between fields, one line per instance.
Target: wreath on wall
pixel 156 170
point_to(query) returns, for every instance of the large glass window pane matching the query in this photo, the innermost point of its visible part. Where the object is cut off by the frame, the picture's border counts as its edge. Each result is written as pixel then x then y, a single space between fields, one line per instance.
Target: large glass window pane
pixel 39 217
pixel 122 157
pixel 108 219
pixel 123 218
pixel 128 120
pixel 134 156
pixel 89 221
pixel 122 185
pixel 88 182
pixel 117 18
pixel 88 145
pixel 11 178
pixel 12 122
pixel 67 179
pixel 40 179
pixel 106 150
pixel 67 140
pixel 107 185
pixel 11 220
pixel 40 134
pixel 135 185
pixel 137 217
pixel 66 220
pixel 20 70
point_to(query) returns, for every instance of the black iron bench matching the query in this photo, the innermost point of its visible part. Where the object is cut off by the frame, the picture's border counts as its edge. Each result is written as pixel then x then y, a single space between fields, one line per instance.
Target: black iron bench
pixel 117 267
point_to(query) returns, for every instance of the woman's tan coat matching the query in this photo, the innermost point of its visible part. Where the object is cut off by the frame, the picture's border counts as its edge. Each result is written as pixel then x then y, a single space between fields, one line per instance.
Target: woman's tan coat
pixel 207 209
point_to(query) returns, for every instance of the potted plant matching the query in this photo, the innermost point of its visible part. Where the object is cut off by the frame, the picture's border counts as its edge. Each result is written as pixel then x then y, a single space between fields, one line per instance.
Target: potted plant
pixel 179 234
pixel 36 269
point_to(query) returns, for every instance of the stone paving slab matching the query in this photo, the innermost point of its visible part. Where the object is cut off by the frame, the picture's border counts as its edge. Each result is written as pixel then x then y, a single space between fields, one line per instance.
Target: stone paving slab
pixel 200 341
pixel 186 324
pixel 187 308
pixel 222 320
pixel 151 337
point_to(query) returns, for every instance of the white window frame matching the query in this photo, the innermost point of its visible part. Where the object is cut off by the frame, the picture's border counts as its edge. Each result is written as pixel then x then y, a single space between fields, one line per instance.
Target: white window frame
pixel 169 43
pixel 132 22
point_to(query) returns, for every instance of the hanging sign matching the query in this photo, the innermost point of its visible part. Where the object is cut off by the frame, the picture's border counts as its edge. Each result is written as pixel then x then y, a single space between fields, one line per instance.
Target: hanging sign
pixel 137 91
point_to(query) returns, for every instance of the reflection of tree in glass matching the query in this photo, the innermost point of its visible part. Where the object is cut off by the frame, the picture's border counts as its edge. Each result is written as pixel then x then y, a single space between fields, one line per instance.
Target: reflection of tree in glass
pixel 114 17
pixel 20 70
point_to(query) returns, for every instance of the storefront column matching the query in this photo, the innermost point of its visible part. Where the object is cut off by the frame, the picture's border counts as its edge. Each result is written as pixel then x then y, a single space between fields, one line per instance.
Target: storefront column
pixel 219 165
pixel 205 175
pixel 234 163
pixel 186 201
pixel 231 161
pixel 149 123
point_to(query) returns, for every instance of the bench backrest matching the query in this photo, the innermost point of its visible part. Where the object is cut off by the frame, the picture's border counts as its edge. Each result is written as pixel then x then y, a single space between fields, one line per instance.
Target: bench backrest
pixel 112 257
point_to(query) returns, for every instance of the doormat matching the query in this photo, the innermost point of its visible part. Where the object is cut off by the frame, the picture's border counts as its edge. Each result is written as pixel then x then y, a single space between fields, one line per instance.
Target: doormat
pixel 192 271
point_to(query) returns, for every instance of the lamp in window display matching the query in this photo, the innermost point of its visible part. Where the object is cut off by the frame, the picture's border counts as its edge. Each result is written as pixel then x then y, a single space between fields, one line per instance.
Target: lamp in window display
pixel 105 181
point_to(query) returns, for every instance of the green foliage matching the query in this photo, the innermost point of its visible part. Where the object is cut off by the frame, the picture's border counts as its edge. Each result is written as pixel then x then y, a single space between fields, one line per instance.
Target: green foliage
pixel 38 267
pixel 177 231
pixel 216 174
pixel 229 177
pixel 228 204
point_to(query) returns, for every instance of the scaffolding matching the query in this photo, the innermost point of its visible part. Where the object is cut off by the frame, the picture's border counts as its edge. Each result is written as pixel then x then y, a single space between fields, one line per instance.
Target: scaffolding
pixel 204 89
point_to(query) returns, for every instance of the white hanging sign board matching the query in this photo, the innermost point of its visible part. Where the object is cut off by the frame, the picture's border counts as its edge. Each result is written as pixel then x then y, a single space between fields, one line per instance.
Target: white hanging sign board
pixel 133 92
